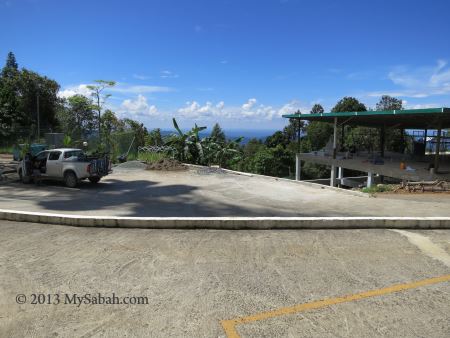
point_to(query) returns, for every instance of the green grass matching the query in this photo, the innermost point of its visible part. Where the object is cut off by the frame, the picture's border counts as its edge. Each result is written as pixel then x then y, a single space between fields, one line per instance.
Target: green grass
pixel 6 150
pixel 377 188
pixel 151 157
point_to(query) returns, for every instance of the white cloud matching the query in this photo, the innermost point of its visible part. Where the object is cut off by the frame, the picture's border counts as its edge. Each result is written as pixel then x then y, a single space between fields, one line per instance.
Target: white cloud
pixel 138 89
pixel 121 88
pixel 138 107
pixel 248 110
pixel 249 104
pixel 74 90
pixel 141 77
pixel 419 82
pixel 167 74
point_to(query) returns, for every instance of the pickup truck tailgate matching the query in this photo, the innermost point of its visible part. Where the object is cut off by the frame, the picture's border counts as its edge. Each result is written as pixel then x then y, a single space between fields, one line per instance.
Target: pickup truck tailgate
pixel 100 166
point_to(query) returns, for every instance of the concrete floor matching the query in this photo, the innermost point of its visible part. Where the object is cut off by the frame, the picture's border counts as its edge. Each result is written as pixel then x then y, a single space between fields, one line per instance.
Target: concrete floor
pixel 193 193
pixel 194 279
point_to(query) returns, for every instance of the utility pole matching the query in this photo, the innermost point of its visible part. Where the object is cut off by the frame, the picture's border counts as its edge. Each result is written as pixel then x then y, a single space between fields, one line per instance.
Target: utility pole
pixel 38 117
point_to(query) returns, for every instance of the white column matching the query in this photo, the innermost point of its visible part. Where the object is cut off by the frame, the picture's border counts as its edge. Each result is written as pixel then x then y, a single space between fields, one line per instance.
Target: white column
pixel 298 167
pixel 333 168
pixel 369 179
pixel 333 176
pixel 340 175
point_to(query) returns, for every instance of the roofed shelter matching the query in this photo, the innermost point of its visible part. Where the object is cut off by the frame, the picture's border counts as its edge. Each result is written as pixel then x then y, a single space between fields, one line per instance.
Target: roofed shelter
pixel 431 119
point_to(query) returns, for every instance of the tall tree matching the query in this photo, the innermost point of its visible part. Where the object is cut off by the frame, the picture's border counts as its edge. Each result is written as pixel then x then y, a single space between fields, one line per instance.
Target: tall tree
pixel 38 100
pixel 10 116
pixel 389 103
pixel 217 134
pixel 394 138
pixel 77 118
pixel 317 109
pixel 97 92
pixel 348 104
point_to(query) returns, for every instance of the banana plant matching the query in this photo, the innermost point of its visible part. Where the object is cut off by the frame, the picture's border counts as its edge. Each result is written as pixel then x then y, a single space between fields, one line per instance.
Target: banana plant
pixel 228 150
pixel 188 145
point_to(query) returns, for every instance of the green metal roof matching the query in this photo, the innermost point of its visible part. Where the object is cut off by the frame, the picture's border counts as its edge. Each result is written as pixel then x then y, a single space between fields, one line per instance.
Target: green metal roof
pixel 408 118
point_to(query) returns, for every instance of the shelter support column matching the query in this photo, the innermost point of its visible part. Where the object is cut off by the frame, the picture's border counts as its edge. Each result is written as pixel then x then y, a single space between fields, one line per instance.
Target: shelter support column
pixel 369 179
pixel 298 162
pixel 340 176
pixel 438 149
pixel 382 140
pixel 298 167
pixel 333 167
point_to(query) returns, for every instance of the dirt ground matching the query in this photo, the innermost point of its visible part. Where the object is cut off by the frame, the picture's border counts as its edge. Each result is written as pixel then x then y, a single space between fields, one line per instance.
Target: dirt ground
pixel 195 279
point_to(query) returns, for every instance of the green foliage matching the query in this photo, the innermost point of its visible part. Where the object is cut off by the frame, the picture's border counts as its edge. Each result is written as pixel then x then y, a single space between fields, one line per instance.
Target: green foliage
pixel 77 117
pixel 348 104
pixel 20 90
pixel 389 103
pixel 378 188
pixel 67 141
pixel 217 134
pixel 151 157
pixel 317 109
pixel 6 150
pixel 97 93
pixel 188 146
pixel 140 132
pixel 154 138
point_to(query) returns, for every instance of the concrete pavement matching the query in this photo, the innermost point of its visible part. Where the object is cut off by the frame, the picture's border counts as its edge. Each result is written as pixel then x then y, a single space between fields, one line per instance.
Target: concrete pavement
pixel 140 193
pixel 195 279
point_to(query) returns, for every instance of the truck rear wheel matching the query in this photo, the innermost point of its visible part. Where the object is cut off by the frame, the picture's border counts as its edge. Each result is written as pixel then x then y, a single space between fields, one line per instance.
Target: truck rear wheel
pixel 94 180
pixel 70 179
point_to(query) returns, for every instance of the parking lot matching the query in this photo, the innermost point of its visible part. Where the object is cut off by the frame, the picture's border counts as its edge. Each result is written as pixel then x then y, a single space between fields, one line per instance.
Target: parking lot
pixel 195 280
pixel 198 192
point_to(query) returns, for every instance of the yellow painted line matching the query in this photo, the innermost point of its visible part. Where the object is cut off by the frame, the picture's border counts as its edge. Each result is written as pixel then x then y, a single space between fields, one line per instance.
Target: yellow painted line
pixel 230 325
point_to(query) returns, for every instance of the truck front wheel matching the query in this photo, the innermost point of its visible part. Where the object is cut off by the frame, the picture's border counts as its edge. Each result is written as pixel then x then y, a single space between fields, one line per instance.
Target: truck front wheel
pixel 94 180
pixel 70 179
pixel 24 179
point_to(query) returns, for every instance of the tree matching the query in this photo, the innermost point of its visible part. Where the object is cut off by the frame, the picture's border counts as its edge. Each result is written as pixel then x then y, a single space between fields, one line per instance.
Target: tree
pixel 278 138
pixel 217 134
pixel 10 116
pixel 140 132
pixel 77 117
pixel 38 94
pixel 317 109
pixel 100 98
pixel 389 103
pixel 291 130
pixel 11 67
pixel 348 104
pixel 394 139
pixel 111 123
pixel 154 138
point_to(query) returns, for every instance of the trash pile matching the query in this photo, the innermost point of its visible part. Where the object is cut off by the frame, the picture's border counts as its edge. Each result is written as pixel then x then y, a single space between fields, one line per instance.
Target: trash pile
pixel 424 186
pixel 166 164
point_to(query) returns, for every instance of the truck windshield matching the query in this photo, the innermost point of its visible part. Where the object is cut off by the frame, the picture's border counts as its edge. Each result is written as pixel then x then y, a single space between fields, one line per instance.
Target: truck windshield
pixel 73 153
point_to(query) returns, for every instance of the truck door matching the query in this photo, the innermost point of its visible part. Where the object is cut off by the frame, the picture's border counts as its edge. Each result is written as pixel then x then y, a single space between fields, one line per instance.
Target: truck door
pixel 54 164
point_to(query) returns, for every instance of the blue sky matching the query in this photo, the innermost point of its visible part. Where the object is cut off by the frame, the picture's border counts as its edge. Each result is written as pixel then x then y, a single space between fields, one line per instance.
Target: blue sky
pixel 237 62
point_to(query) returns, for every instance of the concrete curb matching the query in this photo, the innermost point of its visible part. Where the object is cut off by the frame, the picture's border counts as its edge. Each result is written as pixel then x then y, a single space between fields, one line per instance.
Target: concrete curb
pixel 308 184
pixel 230 223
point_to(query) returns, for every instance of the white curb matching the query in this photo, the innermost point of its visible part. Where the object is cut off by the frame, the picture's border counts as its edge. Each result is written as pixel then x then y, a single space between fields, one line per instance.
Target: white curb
pixel 230 223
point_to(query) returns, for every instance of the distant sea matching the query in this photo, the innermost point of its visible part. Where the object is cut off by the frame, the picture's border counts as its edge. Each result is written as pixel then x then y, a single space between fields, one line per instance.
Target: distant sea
pixel 247 134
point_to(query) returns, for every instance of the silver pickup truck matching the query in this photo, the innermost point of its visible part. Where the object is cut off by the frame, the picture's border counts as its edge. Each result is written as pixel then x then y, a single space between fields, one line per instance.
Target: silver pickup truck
pixel 67 164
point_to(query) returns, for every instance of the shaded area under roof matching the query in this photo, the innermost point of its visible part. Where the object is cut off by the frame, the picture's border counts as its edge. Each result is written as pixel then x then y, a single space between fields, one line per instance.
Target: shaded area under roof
pixel 431 118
